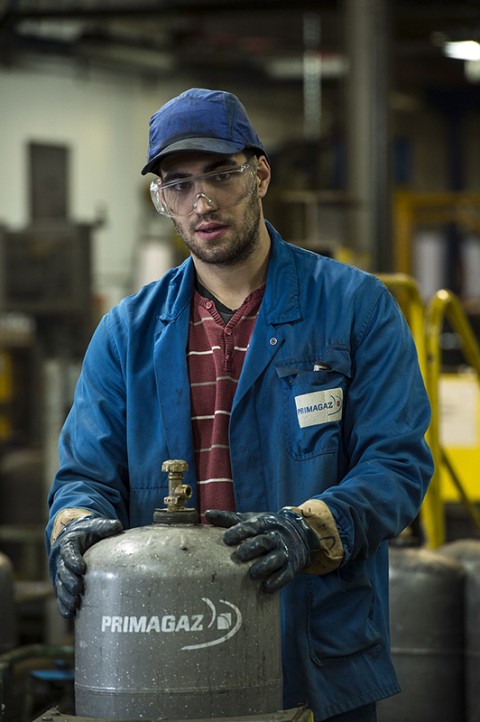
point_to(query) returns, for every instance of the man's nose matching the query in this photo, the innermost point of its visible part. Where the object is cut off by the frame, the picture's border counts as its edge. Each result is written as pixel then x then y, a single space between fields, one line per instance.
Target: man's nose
pixel 202 203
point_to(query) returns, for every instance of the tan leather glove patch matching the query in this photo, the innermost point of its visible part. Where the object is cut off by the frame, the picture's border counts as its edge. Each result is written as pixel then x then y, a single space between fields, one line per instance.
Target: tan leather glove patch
pixel 64 517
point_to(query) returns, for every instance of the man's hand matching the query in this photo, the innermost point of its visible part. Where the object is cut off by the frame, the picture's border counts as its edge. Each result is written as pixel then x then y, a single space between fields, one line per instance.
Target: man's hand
pixel 66 558
pixel 283 541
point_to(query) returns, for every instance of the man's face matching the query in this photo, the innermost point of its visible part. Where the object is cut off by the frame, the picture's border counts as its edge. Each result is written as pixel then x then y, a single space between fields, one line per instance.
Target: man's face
pixel 215 234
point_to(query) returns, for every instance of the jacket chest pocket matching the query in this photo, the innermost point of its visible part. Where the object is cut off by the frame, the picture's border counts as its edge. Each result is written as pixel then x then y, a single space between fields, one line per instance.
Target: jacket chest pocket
pixel 313 399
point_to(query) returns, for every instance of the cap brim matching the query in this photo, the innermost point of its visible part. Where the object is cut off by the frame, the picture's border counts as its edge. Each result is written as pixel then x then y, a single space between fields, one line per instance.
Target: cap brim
pixel 209 145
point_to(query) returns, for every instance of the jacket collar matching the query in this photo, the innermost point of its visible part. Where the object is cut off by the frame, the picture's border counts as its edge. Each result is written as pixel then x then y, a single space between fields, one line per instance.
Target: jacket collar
pixel 281 301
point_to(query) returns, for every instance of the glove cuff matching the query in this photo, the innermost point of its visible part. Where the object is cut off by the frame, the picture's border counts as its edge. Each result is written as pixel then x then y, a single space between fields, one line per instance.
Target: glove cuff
pixel 56 542
pixel 330 554
pixel 65 517
pixel 308 535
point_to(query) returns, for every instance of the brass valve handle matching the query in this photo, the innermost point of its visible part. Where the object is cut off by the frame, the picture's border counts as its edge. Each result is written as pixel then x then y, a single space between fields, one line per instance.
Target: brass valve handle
pixel 178 492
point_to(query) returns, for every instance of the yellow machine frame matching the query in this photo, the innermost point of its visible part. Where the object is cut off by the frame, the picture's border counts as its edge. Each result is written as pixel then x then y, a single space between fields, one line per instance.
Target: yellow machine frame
pixel 414 209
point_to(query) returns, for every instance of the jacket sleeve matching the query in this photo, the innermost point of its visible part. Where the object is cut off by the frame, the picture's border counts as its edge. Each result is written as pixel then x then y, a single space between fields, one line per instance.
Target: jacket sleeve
pixel 93 471
pixel 386 415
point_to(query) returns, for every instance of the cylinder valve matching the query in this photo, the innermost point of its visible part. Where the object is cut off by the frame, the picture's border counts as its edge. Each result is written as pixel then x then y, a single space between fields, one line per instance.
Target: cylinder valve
pixel 178 494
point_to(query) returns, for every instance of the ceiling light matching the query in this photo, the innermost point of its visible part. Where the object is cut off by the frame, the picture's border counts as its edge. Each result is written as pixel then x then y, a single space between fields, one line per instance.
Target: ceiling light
pixel 462 50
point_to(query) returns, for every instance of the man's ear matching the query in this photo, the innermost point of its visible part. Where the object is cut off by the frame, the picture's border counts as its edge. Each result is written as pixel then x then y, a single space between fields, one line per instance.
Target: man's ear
pixel 263 175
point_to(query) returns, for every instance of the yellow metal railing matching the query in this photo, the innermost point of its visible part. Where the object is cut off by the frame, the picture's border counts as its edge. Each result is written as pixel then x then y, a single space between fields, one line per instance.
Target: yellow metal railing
pixel 444 305
pixel 412 212
pixel 426 326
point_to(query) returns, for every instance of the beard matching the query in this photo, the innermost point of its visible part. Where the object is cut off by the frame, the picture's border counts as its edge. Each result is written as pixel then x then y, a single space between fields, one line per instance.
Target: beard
pixel 237 245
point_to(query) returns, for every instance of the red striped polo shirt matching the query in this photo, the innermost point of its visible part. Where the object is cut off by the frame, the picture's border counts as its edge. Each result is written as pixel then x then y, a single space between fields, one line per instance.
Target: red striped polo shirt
pixel 215 355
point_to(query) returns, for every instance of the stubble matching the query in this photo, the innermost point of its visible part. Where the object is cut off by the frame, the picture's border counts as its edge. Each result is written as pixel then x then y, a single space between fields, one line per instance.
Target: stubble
pixel 236 247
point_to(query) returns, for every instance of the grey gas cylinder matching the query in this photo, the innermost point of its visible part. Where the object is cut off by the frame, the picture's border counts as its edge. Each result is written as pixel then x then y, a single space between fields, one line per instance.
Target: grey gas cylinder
pixel 7 605
pixel 426 622
pixel 171 626
pixel 467 552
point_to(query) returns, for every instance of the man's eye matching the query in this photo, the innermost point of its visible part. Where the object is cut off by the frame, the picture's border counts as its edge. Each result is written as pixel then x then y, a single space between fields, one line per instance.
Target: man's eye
pixel 222 177
pixel 181 187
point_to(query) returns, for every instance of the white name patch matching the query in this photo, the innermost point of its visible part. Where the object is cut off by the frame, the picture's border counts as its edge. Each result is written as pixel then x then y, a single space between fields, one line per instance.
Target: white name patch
pixel 320 407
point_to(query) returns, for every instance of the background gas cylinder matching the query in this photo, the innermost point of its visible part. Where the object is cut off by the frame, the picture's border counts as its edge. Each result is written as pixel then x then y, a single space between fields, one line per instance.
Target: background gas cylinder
pixel 467 552
pixel 426 622
pixel 172 626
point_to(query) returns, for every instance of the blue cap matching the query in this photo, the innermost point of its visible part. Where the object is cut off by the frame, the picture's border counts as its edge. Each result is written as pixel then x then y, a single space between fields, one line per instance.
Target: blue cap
pixel 206 120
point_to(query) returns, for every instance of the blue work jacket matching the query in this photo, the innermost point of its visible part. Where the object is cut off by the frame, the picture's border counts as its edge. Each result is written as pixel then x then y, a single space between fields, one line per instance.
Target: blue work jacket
pixel 329 341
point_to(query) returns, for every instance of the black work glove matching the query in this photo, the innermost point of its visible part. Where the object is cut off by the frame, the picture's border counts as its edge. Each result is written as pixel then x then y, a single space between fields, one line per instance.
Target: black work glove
pixel 283 541
pixel 67 564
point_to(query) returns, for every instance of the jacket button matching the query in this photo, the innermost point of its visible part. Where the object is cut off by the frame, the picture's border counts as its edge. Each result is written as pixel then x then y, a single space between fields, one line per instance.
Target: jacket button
pixel 273 341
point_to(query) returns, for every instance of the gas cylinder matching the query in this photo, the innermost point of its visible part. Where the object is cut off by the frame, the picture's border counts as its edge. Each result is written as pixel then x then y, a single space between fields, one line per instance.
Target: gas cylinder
pixel 467 552
pixel 172 626
pixel 426 622
pixel 7 605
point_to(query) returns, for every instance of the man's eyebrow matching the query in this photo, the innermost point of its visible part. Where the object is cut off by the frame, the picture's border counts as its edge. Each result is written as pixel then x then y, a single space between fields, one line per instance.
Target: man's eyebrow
pixel 227 163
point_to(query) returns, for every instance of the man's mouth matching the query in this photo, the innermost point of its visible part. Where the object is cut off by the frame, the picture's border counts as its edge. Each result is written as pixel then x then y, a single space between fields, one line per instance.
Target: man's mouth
pixel 210 230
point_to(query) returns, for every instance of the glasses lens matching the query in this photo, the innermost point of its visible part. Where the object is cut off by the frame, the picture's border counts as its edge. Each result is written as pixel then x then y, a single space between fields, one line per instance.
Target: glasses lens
pixel 156 197
pixel 221 188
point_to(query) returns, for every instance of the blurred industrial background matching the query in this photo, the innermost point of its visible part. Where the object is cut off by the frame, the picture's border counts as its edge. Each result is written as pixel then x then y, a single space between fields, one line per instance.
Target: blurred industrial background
pixel 370 112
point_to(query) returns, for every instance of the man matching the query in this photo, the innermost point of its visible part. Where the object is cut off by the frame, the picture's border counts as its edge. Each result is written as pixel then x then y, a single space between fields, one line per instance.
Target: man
pixel 290 384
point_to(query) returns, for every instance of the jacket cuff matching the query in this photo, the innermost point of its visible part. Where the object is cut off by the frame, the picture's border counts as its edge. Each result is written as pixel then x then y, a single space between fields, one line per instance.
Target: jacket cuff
pixel 64 517
pixel 331 553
